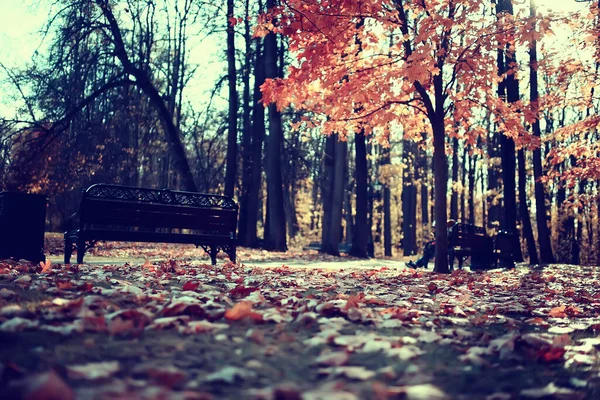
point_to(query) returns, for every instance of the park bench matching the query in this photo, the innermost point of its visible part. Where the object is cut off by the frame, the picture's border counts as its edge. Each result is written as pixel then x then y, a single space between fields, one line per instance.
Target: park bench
pixel 132 214
pixel 343 247
pixel 465 240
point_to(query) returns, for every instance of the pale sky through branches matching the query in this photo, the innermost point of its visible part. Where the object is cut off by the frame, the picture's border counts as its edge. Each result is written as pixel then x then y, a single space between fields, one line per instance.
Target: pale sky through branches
pixel 21 22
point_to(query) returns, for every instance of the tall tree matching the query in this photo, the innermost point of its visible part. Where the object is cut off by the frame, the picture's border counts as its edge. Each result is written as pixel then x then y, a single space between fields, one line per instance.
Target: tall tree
pixel 387 206
pixel 231 169
pixel 276 239
pixel 360 241
pixel 508 89
pixel 409 199
pixel 546 255
pixel 256 151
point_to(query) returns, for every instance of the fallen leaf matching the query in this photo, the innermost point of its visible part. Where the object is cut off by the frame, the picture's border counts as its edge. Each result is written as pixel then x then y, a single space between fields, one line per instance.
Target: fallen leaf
pixel 94 371
pixel 242 310
pixel 333 359
pixel 229 375
pixel 551 390
pixel 43 386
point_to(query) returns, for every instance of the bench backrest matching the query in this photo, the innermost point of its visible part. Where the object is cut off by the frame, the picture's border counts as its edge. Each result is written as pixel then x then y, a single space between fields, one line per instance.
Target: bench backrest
pixel 123 206
pixel 465 235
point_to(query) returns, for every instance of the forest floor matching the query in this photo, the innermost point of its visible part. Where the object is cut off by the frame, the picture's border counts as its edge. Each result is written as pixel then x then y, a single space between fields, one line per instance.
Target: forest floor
pixel 157 322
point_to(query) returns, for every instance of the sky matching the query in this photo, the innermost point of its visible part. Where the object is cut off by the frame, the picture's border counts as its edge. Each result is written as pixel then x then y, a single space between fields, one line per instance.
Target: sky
pixel 22 20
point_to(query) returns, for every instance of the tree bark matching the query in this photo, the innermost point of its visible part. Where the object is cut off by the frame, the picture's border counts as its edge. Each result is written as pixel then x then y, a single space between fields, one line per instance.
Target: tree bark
pixel 231 168
pixel 510 90
pixel 337 199
pixel 524 211
pixel 387 208
pixel 276 240
pixel 546 255
pixel 424 179
pixel 246 128
pixel 327 185
pixel 472 179
pixel 440 186
pixel 258 135
pixel 361 233
pixel 409 201
pixel 454 197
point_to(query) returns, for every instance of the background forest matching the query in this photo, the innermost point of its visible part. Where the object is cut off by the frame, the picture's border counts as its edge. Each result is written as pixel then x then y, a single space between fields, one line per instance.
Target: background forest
pixel 113 96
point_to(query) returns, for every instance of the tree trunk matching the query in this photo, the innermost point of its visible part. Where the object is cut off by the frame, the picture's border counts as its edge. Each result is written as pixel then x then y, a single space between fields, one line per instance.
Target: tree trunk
pixel 440 172
pixel 327 186
pixel 337 199
pixel 246 129
pixel 546 255
pixel 409 201
pixel 348 214
pixel 276 239
pixel 472 176
pixel 361 233
pixel 387 208
pixel 231 168
pixel 253 207
pixel 524 210
pixel 463 186
pixel 454 197
pixel 510 90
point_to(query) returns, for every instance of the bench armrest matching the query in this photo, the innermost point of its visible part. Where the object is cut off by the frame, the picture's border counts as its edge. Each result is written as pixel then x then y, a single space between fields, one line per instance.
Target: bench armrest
pixel 69 224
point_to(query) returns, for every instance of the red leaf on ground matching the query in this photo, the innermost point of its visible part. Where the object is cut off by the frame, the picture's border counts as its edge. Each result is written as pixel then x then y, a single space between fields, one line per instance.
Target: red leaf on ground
pixel 44 386
pixel 189 285
pixel 86 287
pixel 432 287
pixel 167 375
pixel 242 291
pixel 552 354
pixel 64 285
pixel 353 301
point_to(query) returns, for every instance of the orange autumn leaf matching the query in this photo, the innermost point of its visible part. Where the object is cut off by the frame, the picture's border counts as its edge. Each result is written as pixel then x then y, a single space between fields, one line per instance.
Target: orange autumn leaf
pixel 46 266
pixel 353 300
pixel 558 312
pixel 120 326
pixel 242 310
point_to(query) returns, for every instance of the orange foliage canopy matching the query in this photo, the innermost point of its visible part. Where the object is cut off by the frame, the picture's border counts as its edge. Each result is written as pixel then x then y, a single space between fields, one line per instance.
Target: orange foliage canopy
pixel 373 65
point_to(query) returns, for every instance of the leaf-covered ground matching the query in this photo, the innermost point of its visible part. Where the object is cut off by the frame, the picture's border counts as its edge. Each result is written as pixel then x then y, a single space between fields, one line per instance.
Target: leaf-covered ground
pixel 175 328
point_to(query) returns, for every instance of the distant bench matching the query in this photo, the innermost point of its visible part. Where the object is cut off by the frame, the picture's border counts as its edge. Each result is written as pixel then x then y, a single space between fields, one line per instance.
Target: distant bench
pixel 465 240
pixel 343 247
pixel 132 214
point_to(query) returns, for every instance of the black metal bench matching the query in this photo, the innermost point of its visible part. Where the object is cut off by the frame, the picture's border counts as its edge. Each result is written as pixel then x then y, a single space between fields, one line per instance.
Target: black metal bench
pixel 342 247
pixel 466 241
pixel 131 214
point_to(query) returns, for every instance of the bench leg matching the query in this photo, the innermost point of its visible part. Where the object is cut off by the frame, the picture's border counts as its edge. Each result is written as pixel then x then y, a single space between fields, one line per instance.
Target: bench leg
pixel 213 254
pixel 80 250
pixel 232 254
pixel 68 249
